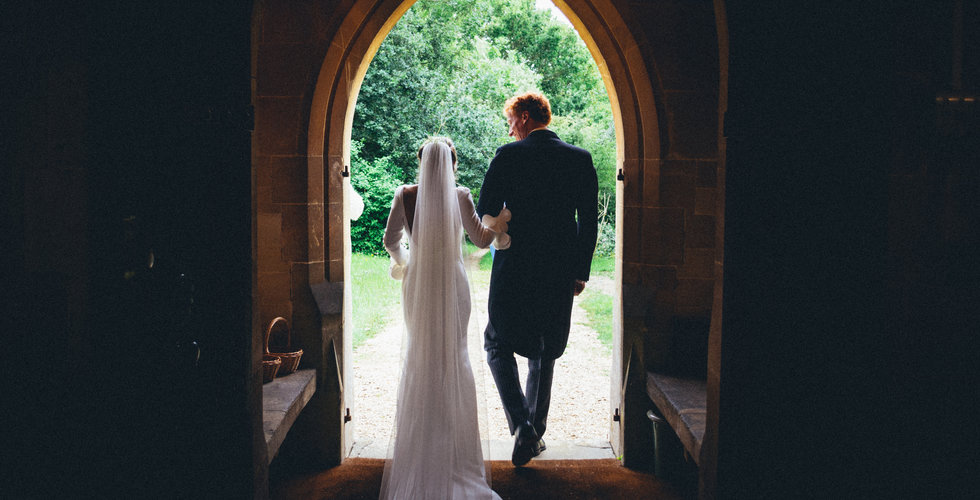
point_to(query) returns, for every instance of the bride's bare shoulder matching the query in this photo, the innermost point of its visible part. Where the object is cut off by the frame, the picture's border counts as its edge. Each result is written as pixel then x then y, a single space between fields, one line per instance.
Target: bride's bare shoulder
pixel 407 191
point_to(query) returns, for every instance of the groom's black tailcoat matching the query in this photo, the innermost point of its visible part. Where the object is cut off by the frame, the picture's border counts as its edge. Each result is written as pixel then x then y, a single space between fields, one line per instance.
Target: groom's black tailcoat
pixel 545 183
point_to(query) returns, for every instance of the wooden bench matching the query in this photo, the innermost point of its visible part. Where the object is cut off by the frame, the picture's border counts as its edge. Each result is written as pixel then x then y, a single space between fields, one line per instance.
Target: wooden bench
pixel 683 403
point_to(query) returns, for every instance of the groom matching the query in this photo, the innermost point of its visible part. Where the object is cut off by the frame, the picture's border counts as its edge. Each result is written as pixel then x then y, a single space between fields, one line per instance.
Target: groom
pixel 551 190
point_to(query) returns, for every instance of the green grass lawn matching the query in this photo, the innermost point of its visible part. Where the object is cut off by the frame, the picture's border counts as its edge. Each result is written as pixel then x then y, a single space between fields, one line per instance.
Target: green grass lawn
pixel 376 297
pixel 598 306
pixel 604 266
pixel 486 263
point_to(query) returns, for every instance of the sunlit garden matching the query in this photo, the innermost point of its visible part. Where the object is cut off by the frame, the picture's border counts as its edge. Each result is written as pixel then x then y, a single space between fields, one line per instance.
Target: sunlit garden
pixel 446 68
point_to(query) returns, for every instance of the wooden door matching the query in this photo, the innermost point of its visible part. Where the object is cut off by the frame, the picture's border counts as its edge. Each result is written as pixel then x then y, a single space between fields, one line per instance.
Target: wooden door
pixel 173 86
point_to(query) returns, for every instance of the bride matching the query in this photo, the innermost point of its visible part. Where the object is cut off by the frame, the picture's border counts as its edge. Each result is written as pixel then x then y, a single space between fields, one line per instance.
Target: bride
pixel 437 452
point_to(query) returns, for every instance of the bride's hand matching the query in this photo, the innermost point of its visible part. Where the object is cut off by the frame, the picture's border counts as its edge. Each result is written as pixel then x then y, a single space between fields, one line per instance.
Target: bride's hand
pixel 501 241
pixel 396 270
pixel 498 224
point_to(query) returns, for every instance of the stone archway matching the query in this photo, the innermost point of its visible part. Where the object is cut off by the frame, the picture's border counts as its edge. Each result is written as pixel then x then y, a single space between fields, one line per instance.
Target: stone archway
pixel 309 60
pixel 336 93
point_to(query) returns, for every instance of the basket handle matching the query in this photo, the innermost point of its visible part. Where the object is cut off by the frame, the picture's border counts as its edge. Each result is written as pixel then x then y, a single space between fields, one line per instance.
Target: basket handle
pixel 268 332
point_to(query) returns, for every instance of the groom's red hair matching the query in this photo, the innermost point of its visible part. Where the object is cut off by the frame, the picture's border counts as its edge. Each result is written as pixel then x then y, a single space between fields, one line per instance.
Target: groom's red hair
pixel 536 104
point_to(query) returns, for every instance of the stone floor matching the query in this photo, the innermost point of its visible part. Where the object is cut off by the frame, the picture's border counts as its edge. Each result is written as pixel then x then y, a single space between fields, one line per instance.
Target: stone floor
pixel 501 449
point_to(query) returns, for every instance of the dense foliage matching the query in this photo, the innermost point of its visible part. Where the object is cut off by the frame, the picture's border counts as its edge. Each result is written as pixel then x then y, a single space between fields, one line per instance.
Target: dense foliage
pixel 446 68
pixel 375 181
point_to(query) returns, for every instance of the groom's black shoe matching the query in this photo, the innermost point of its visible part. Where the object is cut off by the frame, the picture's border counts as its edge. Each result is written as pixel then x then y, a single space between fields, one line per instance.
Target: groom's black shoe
pixel 539 447
pixel 527 444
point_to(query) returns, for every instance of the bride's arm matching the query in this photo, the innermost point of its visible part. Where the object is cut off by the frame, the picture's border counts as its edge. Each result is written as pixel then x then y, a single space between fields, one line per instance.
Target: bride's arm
pixel 395 229
pixel 479 234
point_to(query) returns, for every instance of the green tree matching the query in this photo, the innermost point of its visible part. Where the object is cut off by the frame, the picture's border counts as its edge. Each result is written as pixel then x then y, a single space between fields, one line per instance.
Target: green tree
pixel 597 137
pixel 474 119
pixel 375 181
pixel 446 68
pixel 568 74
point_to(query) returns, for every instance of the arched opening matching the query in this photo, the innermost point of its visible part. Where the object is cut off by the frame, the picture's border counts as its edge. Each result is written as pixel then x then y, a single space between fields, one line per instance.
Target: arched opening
pixel 663 85
pixel 488 65
pixel 335 146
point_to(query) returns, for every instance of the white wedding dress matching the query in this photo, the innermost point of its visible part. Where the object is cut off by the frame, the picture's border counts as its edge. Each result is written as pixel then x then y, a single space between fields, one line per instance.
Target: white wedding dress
pixel 436 451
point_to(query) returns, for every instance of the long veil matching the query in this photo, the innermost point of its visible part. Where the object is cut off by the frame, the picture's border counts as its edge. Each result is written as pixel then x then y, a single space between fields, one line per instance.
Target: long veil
pixel 435 449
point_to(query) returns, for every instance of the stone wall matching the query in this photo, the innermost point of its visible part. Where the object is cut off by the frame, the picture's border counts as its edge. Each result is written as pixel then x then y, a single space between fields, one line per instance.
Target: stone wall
pixel 669 220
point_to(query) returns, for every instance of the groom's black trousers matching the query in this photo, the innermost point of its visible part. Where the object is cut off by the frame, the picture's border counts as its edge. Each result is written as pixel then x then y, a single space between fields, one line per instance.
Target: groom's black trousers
pixel 519 408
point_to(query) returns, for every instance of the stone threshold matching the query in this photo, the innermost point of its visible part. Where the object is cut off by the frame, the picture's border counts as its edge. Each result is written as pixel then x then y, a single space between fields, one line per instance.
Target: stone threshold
pixel 683 403
pixel 282 401
pixel 501 449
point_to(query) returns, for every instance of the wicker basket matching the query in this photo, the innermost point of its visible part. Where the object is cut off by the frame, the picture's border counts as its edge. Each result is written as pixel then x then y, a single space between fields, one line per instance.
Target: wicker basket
pixel 270 365
pixel 290 359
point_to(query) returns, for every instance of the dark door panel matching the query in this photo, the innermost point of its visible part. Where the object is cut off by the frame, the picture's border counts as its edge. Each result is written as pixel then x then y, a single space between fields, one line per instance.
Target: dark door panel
pixel 132 124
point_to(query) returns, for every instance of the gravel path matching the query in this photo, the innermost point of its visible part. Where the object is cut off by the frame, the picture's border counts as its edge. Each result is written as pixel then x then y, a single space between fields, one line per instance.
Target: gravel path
pixel 580 393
